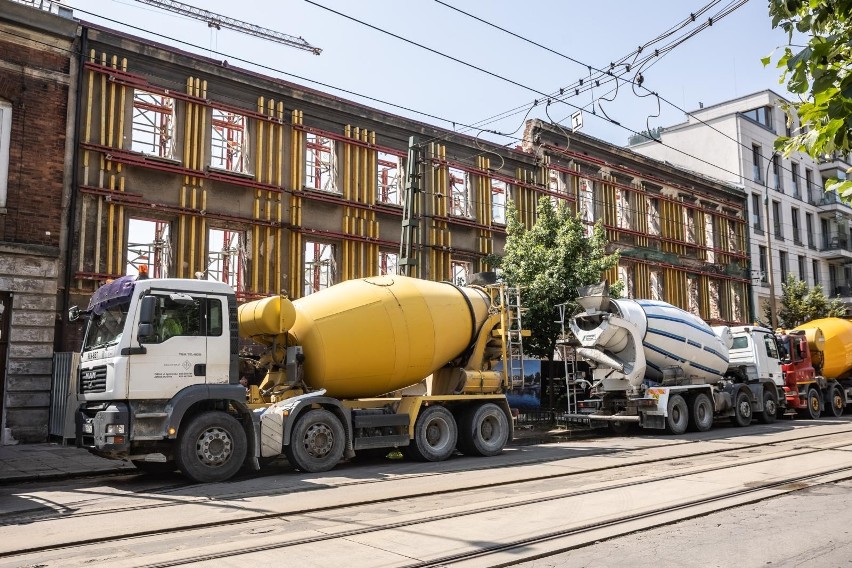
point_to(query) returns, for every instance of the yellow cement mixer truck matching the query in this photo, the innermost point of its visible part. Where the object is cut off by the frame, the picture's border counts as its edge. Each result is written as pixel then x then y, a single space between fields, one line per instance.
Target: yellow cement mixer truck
pixel 381 362
pixel 817 367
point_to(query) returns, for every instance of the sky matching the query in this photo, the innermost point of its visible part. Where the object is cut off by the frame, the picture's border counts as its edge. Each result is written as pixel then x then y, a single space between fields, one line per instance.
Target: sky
pixel 718 63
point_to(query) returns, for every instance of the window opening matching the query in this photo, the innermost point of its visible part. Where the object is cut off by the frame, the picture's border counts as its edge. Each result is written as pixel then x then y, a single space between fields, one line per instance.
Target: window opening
pixel 461 272
pixel 388 262
pixel 388 186
pixel 319 266
pixel 148 245
pixel 498 201
pixel 153 124
pixel 320 163
pixel 227 147
pixel 226 258
pixel 459 192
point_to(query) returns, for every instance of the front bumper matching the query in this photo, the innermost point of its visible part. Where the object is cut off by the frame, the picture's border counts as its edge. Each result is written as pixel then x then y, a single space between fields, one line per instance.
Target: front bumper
pixel 104 428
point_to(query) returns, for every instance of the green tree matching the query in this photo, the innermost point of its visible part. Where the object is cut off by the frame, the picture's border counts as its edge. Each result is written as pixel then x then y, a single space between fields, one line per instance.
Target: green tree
pixel 549 261
pixel 820 73
pixel 800 304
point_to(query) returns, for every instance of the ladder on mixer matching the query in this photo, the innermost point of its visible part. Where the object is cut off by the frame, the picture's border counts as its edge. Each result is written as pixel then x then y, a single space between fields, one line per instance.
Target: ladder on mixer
pixel 514 337
pixel 567 350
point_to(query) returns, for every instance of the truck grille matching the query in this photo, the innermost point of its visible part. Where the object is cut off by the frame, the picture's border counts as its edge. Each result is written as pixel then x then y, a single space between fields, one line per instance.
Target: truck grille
pixel 93 379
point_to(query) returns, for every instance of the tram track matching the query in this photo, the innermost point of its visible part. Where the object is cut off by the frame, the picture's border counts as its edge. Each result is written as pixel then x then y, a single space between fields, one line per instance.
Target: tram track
pixel 797 449
pixel 41 516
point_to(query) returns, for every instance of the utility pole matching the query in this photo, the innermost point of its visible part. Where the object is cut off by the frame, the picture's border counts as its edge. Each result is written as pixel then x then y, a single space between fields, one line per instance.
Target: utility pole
pixel 410 223
pixel 218 21
pixel 773 320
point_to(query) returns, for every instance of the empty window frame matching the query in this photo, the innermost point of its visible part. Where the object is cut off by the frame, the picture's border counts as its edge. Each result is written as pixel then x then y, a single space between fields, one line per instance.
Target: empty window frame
pixel 389 179
pixel 461 271
pixel 498 201
pixel 319 266
pixel 148 245
pixel 228 141
pixel 388 263
pixel 320 163
pixel 153 124
pixel 459 192
pixel 226 258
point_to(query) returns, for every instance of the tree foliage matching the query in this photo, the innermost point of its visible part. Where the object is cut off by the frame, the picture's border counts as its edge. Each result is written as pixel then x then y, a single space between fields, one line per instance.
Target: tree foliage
pixel 821 74
pixel 549 261
pixel 800 304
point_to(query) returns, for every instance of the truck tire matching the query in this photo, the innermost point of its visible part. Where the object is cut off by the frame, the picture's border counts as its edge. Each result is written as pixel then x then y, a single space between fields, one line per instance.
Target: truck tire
pixel 317 441
pixel 701 416
pixel 483 430
pixel 770 406
pixel 834 401
pixel 211 447
pixel 811 409
pixel 435 435
pixel 742 408
pixel 154 468
pixel 678 415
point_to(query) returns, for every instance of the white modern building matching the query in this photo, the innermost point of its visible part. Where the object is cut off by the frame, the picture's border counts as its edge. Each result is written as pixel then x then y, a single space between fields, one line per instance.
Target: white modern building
pixel 806 230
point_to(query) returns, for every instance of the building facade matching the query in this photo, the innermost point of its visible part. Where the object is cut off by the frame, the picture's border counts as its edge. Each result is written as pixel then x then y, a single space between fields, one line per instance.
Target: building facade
pixel 805 229
pixel 681 236
pixel 146 157
pixel 37 85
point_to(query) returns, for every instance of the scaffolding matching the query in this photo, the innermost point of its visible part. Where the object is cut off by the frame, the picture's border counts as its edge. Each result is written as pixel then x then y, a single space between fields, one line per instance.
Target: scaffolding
pixel 567 345
pixel 514 337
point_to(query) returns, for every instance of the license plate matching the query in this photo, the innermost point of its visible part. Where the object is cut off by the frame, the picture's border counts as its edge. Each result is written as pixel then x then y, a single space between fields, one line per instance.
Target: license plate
pixel 87 428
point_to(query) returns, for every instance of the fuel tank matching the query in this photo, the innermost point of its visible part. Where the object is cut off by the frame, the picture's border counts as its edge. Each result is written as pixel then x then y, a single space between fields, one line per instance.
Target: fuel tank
pixel 370 336
pixel 832 337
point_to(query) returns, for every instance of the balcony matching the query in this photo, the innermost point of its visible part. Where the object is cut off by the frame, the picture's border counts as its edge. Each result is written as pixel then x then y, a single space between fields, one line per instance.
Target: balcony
pixel 830 205
pixel 834 165
pixel 836 249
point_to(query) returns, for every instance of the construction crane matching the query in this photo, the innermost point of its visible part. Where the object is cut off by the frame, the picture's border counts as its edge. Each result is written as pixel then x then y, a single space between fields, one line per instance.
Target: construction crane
pixel 218 21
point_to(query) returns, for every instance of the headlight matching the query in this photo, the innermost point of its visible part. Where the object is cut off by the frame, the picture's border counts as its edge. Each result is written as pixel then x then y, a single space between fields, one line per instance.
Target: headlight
pixel 115 429
pixel 87 428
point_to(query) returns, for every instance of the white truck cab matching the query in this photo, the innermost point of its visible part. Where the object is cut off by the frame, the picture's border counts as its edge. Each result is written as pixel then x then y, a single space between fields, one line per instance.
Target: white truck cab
pixel 153 349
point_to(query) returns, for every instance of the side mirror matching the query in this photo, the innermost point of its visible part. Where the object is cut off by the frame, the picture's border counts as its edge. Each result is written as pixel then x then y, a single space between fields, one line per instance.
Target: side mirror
pixel 147 310
pixel 73 313
pixel 145 333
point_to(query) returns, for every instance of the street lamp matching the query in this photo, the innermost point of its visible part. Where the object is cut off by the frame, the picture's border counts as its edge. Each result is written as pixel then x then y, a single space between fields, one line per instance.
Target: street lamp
pixel 773 322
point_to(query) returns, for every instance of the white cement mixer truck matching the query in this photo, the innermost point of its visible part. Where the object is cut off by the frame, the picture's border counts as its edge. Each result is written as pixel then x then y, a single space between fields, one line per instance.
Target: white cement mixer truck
pixel 660 367
pixel 159 384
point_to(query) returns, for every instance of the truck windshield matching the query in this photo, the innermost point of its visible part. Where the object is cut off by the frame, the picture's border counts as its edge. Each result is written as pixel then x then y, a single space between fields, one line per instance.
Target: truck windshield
pixel 105 328
pixel 740 342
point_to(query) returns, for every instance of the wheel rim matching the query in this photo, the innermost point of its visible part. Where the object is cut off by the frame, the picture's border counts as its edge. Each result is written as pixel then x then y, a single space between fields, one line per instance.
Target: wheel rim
pixel 745 407
pixel 214 447
pixel 489 428
pixel 769 406
pixel 814 403
pixel 319 439
pixel 702 412
pixel 837 401
pixel 437 434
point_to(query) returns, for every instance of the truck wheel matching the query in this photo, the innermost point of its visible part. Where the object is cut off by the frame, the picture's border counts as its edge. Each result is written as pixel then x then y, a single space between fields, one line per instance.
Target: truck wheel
pixel 811 409
pixel 770 407
pixel 154 467
pixel 621 428
pixel 701 416
pixel 483 431
pixel 317 441
pixel 835 402
pixel 742 409
pixel 435 435
pixel 211 447
pixel 678 415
